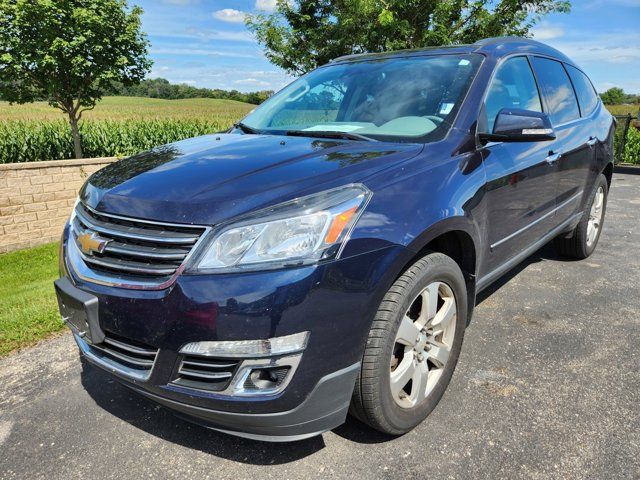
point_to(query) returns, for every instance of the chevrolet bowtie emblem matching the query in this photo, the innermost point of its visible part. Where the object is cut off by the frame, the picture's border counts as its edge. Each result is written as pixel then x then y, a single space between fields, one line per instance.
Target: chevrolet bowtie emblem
pixel 91 243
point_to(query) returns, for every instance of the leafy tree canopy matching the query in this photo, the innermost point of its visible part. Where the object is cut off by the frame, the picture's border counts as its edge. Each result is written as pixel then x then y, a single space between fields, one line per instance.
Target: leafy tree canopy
pixel 69 52
pixel 301 35
pixel 613 96
pixel 162 88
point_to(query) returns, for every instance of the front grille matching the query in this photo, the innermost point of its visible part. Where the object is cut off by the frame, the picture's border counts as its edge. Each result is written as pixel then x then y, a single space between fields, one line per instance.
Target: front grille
pixel 125 352
pixel 134 248
pixel 204 373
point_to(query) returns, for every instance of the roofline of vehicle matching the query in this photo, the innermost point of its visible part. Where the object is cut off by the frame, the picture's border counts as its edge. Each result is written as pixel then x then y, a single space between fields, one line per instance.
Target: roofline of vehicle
pixel 492 47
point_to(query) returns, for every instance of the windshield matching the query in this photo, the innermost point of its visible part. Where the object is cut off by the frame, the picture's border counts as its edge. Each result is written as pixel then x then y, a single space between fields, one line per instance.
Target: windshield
pixel 397 99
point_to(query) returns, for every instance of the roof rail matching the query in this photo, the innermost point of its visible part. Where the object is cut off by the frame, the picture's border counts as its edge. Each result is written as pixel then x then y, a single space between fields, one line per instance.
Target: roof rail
pixel 509 38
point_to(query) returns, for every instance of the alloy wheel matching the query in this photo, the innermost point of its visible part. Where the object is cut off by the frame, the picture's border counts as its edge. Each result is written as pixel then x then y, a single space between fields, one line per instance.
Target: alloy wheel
pixel 423 344
pixel 595 217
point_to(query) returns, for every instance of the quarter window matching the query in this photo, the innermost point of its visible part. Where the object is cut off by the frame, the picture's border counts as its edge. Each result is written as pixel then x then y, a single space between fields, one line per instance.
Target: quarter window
pixel 557 90
pixel 513 86
pixel 586 94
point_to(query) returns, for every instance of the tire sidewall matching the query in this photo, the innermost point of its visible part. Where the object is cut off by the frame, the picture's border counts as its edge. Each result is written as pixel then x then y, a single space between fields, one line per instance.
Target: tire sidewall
pixel 399 418
pixel 601 181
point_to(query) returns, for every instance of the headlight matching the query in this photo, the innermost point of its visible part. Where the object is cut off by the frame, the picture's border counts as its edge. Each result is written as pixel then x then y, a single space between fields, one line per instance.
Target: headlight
pixel 298 232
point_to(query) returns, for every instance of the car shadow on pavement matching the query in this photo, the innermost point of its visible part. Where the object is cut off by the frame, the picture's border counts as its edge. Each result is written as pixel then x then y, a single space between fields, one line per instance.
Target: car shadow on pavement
pixel 160 422
pixel 129 406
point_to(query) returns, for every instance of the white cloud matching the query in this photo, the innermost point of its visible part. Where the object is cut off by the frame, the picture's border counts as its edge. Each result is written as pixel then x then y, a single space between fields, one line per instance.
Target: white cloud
pixel 609 3
pixel 268 5
pixel 242 36
pixel 602 48
pixel 252 81
pixel 547 32
pixel 229 15
pixel 211 75
pixel 200 51
pixel 180 2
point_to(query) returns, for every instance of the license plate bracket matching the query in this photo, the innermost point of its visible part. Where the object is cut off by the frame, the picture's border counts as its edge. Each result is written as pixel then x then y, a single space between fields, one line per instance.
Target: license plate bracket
pixel 79 311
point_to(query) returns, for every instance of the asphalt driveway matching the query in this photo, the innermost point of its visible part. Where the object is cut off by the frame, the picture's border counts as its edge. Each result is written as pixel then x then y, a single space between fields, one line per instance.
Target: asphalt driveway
pixel 548 386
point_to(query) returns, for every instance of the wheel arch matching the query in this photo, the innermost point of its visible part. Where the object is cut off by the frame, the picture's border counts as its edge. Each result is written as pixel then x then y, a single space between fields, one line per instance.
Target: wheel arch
pixel 455 237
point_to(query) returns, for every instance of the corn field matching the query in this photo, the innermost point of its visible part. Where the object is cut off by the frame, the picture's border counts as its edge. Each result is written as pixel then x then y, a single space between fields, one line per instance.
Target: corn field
pixel 28 141
pixel 627 140
pixel 118 126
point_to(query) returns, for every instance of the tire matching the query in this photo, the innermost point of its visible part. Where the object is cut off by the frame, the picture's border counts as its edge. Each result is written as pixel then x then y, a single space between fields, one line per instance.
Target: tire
pixel 387 356
pixel 581 242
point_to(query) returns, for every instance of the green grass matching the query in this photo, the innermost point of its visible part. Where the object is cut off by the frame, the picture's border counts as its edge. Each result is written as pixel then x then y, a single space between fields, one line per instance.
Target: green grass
pixel 28 308
pixel 623 109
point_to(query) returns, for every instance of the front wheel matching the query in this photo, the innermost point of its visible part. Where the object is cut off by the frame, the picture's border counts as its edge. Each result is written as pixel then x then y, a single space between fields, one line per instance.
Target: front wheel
pixel 583 240
pixel 413 346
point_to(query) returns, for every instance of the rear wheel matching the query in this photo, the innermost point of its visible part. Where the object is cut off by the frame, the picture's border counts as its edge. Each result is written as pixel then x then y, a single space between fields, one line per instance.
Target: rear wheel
pixel 413 346
pixel 583 240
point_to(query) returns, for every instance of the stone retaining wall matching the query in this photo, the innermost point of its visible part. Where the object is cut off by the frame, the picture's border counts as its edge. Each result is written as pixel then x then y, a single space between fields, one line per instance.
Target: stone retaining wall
pixel 36 199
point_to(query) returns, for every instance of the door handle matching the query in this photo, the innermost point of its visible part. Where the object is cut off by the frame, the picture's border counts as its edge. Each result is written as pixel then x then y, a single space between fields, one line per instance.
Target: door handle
pixel 553 157
pixel 592 141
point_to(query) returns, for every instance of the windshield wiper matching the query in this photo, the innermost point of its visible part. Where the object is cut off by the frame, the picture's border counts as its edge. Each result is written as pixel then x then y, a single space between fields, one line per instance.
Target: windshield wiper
pixel 246 128
pixel 329 134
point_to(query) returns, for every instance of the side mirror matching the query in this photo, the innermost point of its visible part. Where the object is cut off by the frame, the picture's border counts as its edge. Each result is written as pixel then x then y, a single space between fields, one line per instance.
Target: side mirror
pixel 515 125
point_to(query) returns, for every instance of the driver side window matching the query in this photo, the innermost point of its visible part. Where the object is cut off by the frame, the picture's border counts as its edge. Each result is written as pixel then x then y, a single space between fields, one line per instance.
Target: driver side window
pixel 513 86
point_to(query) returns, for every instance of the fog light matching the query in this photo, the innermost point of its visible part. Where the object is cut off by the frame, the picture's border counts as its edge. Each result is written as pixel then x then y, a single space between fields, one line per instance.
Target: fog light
pixel 249 348
pixel 266 378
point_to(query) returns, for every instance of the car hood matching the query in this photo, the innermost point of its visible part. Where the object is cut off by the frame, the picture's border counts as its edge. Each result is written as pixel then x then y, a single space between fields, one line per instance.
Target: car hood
pixel 208 179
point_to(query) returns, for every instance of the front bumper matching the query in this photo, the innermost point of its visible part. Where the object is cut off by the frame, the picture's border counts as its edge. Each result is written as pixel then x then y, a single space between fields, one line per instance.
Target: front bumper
pixel 325 408
pixel 334 302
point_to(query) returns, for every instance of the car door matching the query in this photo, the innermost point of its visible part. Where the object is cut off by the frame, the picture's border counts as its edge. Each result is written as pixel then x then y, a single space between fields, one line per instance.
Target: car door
pixel 575 145
pixel 520 190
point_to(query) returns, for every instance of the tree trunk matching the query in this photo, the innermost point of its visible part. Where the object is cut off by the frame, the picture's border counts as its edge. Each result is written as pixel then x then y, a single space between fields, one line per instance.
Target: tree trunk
pixel 75 133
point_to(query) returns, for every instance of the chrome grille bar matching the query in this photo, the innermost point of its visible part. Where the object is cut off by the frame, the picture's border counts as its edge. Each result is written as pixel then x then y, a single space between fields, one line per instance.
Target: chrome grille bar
pixel 133 251
pixel 203 374
pixel 135 233
pixel 140 251
pixel 124 358
pixel 129 267
pixel 121 351
pixel 208 365
pixel 147 352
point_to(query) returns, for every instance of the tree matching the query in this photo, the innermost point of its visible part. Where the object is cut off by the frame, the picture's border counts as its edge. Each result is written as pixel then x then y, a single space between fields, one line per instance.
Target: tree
pixel 301 35
pixel 69 52
pixel 613 96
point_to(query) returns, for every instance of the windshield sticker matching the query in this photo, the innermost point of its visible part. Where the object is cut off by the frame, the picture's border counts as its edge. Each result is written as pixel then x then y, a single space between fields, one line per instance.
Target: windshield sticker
pixel 446 108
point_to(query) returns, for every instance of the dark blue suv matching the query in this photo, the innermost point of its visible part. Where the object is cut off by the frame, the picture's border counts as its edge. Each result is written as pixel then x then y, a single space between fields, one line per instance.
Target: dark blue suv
pixel 324 255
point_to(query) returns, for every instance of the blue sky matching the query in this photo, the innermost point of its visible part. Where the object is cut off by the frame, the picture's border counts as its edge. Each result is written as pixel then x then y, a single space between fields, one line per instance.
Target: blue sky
pixel 205 43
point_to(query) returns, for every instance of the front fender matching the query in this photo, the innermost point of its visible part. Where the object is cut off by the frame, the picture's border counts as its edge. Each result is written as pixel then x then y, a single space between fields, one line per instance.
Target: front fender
pixel 421 201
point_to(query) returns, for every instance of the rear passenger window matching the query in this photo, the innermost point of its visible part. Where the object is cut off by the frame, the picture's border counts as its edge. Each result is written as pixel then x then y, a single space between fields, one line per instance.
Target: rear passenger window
pixel 513 86
pixel 557 90
pixel 587 96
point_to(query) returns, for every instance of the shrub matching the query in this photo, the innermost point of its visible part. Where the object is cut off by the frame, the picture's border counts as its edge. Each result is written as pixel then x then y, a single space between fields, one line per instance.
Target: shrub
pixel 632 147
